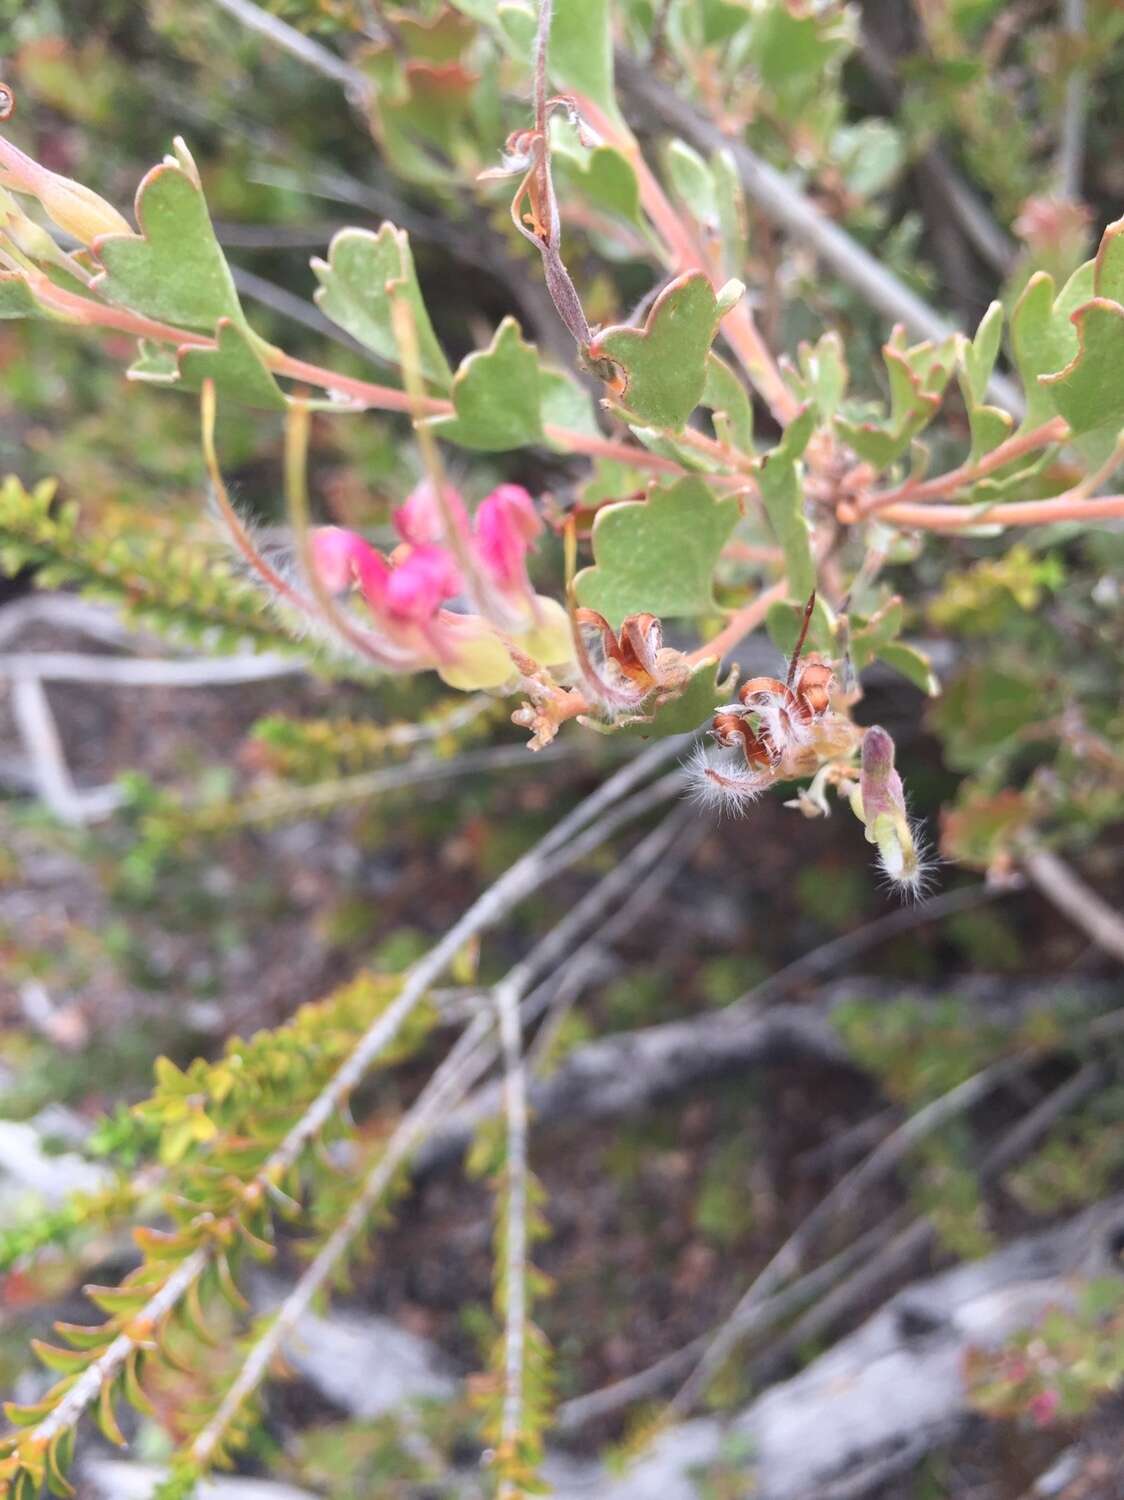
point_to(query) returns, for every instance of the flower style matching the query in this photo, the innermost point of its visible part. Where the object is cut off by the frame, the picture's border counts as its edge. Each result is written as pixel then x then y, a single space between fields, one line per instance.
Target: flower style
pixel 443 556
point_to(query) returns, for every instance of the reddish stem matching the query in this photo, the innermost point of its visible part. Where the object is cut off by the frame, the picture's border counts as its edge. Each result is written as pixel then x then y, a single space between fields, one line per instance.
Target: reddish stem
pixel 1056 430
pixel 1018 513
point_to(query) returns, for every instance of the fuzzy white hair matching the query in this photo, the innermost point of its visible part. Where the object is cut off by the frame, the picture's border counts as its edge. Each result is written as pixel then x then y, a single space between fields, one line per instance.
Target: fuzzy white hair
pixel 718 781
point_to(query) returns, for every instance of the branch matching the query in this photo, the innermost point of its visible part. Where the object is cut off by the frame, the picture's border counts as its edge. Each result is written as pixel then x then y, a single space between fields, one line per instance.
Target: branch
pixel 451 1080
pixel 1056 430
pixel 1071 139
pixel 1064 889
pixel 583 829
pixel 787 206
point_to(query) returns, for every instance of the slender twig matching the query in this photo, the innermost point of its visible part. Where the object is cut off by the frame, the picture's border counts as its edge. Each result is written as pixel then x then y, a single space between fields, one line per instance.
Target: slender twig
pixel 1016 513
pixel 513 1208
pixel 888 1154
pixel 53 781
pixel 916 1238
pixel 831 956
pixel 133 671
pixel 1065 889
pixel 1053 431
pixel 304 48
pixel 651 1382
pixel 573 837
pixel 1071 138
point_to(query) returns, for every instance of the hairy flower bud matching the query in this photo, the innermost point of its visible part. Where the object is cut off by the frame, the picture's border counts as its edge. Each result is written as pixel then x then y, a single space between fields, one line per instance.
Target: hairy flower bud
pixel 879 801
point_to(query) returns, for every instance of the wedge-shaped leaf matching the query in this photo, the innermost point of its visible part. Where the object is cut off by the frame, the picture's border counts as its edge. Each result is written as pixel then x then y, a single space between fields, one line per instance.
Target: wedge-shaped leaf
pixel 693 182
pixel 729 400
pixel 235 366
pixel 1089 392
pixel 496 395
pixel 581 50
pixel 780 479
pixel 664 363
pixel 695 704
pixel 917 378
pixel 820 374
pixel 604 177
pixel 1043 340
pixel 174 270
pixel 657 556
pixel 353 293
pixel 989 425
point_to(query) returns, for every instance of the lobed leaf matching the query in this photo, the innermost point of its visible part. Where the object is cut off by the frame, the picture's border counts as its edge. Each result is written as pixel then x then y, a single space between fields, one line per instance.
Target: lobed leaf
pixel 174 270
pixel 353 293
pixel 664 363
pixel 657 556
pixel 496 395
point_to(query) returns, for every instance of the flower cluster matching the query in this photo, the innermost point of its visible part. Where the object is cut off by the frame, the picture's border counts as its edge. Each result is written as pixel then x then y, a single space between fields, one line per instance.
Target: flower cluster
pixel 444 556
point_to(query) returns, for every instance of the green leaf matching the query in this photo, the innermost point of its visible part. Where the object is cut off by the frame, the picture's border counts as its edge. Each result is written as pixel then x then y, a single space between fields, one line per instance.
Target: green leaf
pixel 1043 340
pixel 603 176
pixel 659 555
pixel 820 375
pixel 352 292
pixel 693 182
pixel 496 395
pixel 581 50
pixel 782 493
pixel 1089 392
pixel 16 299
pixel 235 366
pixel 564 403
pixel 917 378
pixel 174 270
pixel 727 397
pixel 664 363
pixel 1108 268
pixel 731 211
pixel 694 706
pixel 989 425
pixel 912 664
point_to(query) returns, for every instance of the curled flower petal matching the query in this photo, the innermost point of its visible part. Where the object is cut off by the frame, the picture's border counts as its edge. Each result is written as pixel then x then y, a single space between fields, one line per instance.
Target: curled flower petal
pixel 340 557
pixel 418 585
pixel 418 520
pixel 504 530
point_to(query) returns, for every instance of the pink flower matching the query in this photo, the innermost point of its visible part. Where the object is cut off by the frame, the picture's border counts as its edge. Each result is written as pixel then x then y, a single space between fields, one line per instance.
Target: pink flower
pixel 340 557
pixel 419 520
pixel 504 530
pixel 419 584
